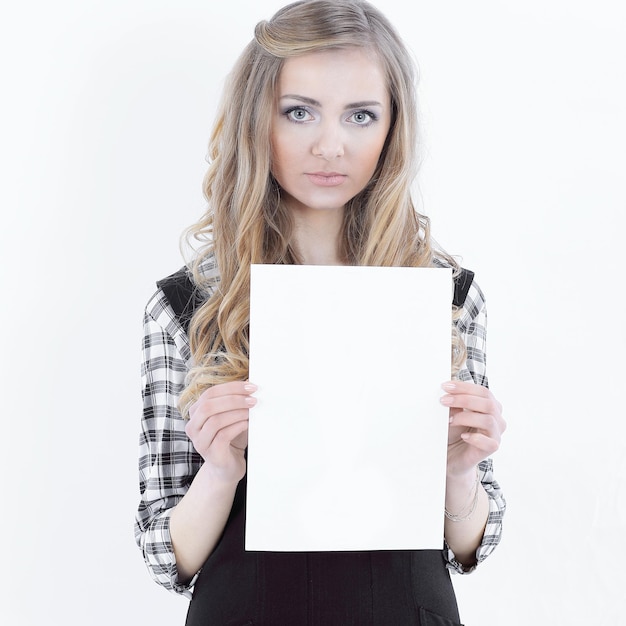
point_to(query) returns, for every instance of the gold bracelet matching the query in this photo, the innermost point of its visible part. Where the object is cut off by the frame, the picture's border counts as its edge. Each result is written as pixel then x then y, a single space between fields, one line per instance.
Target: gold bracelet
pixel 461 517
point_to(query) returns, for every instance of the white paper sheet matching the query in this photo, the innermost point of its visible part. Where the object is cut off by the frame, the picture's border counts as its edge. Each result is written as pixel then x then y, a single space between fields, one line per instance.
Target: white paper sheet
pixel 347 443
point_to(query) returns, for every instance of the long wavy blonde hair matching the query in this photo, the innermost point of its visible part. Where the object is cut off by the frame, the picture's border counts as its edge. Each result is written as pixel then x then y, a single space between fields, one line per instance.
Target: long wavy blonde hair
pixel 246 221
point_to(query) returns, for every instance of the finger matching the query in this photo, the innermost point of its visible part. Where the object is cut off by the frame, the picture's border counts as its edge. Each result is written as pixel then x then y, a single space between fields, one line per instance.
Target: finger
pixel 485 444
pixel 223 404
pixel 209 408
pixel 215 428
pixel 209 425
pixel 479 404
pixel 473 419
pixel 225 437
pixel 236 387
pixel 479 421
pixel 458 387
pixel 228 442
pixel 465 387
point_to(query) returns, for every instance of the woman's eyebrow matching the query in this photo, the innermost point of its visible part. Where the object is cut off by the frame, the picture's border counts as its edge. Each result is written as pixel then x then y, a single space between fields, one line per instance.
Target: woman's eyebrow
pixel 315 103
pixel 311 101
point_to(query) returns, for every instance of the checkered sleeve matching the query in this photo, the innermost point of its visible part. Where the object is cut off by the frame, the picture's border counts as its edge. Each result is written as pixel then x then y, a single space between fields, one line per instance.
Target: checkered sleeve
pixel 167 459
pixel 472 324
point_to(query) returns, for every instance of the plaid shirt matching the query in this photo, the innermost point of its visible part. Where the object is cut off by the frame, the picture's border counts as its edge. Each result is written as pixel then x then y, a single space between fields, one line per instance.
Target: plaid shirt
pixel 168 461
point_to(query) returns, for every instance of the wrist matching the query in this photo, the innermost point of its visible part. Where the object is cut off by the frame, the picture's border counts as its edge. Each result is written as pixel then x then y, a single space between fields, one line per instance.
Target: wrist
pixel 461 482
pixel 462 494
pixel 214 481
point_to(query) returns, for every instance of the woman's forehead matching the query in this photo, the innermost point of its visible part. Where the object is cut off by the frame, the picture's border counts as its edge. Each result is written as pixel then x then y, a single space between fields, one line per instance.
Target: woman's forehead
pixel 355 71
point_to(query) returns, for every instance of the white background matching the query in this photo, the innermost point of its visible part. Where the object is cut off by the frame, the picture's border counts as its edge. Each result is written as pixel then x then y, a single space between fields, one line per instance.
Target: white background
pixel 106 111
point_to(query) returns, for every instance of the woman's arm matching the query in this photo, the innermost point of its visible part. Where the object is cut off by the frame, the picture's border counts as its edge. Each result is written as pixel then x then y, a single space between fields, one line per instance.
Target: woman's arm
pixel 475 430
pixel 185 500
pixel 167 459
pixel 218 428
pixel 476 426
pixel 198 520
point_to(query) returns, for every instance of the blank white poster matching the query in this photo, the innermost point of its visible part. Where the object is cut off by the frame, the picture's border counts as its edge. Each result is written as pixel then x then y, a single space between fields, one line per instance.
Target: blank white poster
pixel 347 443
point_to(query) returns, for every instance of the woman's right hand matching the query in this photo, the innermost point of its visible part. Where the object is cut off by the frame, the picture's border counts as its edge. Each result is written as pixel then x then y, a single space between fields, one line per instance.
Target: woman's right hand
pixel 218 427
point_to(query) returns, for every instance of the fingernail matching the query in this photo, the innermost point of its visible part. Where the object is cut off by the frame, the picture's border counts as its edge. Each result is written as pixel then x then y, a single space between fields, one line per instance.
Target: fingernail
pixel 249 387
pixel 447 400
pixel 448 386
pixel 250 401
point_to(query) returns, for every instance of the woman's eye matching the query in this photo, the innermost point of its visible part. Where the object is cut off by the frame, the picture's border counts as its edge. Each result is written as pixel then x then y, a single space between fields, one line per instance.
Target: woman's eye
pixel 298 114
pixel 362 118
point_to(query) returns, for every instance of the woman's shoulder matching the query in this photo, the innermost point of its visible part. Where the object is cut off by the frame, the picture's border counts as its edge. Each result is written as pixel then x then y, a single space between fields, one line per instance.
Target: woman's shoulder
pixel 180 294
pixel 465 287
pixel 463 281
pixel 475 298
pixel 179 291
pixel 164 322
pixel 472 313
pixel 468 297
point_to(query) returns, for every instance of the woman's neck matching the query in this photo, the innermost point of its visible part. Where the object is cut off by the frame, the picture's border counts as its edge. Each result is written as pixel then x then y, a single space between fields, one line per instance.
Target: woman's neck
pixel 317 237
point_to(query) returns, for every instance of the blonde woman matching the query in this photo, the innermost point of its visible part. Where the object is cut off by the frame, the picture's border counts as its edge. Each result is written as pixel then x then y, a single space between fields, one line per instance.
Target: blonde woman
pixel 311 161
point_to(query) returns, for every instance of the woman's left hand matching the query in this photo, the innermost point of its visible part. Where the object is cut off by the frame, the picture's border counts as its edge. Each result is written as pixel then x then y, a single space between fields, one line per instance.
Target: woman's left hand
pixel 476 425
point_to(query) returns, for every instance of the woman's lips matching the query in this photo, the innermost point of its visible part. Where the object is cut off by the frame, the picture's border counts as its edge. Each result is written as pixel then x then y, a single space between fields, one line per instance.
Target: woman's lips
pixel 326 179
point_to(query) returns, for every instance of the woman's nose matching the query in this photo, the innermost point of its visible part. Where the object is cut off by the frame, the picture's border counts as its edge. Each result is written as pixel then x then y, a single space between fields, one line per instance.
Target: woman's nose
pixel 329 143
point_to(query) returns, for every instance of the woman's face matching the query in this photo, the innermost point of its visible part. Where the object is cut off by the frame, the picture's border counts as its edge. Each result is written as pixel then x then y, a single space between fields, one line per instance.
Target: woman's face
pixel 333 113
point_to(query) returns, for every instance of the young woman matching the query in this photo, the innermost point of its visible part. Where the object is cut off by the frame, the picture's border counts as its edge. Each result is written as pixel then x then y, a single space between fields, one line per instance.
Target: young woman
pixel 311 161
